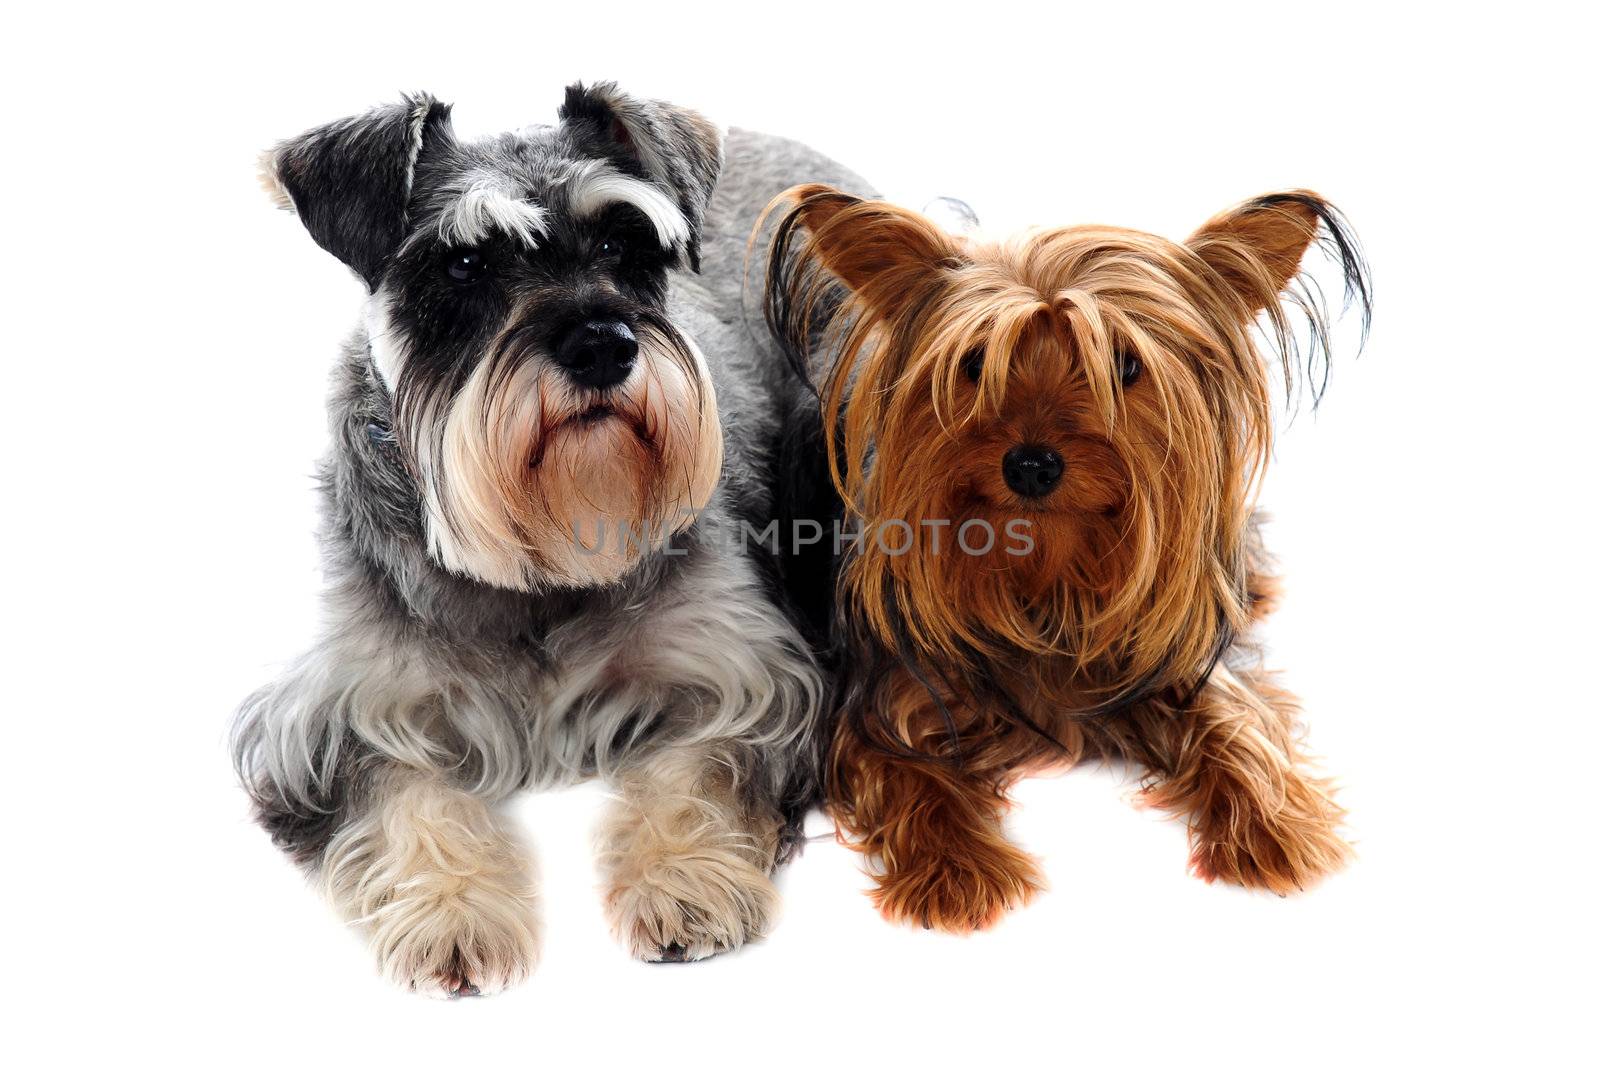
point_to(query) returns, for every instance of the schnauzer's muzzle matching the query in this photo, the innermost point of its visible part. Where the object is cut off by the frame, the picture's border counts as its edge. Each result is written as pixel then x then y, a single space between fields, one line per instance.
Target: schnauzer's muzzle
pixel 597 352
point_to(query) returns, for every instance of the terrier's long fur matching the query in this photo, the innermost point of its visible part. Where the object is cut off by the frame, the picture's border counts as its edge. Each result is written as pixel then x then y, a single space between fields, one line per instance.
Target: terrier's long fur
pixel 542 436
pixel 1103 394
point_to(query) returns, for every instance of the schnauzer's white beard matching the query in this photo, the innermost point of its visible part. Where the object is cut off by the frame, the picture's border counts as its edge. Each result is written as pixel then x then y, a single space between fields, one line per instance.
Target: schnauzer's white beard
pixel 519 492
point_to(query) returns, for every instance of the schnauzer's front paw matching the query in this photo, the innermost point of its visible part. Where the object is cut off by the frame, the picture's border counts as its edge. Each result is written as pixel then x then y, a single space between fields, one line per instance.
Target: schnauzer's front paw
pixel 691 905
pixel 962 889
pixel 475 939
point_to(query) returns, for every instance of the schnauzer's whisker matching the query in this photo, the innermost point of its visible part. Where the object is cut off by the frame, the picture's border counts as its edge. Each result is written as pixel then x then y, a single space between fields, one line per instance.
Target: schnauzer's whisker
pixel 494 494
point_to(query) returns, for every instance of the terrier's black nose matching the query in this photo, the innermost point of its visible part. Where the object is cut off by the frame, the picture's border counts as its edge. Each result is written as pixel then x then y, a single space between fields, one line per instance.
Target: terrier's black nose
pixel 1031 470
pixel 598 352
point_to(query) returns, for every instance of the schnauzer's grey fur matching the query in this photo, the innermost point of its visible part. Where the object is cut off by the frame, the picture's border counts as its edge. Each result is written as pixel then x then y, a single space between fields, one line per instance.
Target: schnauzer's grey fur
pixel 376 760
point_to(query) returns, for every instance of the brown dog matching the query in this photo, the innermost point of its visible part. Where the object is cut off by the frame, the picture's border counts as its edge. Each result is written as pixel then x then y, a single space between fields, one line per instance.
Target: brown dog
pixel 1084 415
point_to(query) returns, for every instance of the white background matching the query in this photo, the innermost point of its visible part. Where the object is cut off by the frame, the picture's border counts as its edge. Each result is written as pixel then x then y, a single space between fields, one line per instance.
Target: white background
pixel 167 338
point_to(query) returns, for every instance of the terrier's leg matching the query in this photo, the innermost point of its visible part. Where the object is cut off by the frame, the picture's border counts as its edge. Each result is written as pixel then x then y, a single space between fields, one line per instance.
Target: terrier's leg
pixel 436 878
pixel 687 855
pixel 1262 587
pixel 1231 763
pixel 933 829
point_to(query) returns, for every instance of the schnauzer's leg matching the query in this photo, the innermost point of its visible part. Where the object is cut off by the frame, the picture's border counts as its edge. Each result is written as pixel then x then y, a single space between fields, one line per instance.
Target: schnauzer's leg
pixel 1231 763
pixel 436 879
pixel 933 829
pixel 686 860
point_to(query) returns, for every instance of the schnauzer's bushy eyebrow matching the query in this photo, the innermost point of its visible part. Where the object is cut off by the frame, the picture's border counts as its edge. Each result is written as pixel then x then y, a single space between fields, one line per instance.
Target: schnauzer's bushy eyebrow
pixel 594 184
pixel 488 204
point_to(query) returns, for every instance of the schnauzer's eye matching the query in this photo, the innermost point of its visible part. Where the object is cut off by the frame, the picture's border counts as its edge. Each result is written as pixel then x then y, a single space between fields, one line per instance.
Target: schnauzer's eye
pixel 466 267
pixel 612 248
pixel 1128 367
pixel 972 364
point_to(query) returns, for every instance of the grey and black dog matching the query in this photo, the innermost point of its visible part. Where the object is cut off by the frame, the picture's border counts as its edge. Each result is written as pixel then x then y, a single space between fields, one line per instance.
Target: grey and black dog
pixel 545 436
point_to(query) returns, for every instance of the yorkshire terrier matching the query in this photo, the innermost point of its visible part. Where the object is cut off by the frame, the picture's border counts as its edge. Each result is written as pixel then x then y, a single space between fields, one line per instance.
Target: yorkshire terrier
pixel 543 433
pixel 1051 447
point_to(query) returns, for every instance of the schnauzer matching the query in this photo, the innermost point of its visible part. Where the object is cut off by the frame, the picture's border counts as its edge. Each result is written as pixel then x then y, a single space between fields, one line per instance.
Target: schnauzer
pixel 542 435
pixel 1101 395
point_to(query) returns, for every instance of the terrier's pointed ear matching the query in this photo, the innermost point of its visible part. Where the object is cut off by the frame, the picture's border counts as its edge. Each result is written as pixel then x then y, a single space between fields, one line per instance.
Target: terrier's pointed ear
pixel 350 181
pixel 1256 248
pixel 677 148
pixel 879 251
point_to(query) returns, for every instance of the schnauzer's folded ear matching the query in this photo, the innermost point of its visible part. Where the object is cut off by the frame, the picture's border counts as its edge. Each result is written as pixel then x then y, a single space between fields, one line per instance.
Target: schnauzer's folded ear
pixel 350 181
pixel 880 251
pixel 675 147
pixel 1256 247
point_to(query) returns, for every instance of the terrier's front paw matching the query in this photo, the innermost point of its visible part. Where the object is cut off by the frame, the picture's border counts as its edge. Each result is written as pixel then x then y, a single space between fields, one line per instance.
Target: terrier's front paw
pixel 690 905
pixel 469 938
pixel 1280 856
pixel 1284 843
pixel 958 889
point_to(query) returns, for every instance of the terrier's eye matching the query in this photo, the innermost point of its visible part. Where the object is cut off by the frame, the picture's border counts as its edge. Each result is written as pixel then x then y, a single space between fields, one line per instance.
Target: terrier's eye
pixel 1128 367
pixel 972 364
pixel 466 267
pixel 612 248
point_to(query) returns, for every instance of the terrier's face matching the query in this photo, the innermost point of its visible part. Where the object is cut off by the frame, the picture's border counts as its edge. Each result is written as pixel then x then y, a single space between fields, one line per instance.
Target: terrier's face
pixel 1098 388
pixel 557 424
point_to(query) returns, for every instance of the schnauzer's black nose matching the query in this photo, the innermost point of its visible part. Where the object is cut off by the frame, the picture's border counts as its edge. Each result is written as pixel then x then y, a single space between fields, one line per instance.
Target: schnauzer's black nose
pixel 597 353
pixel 1031 470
